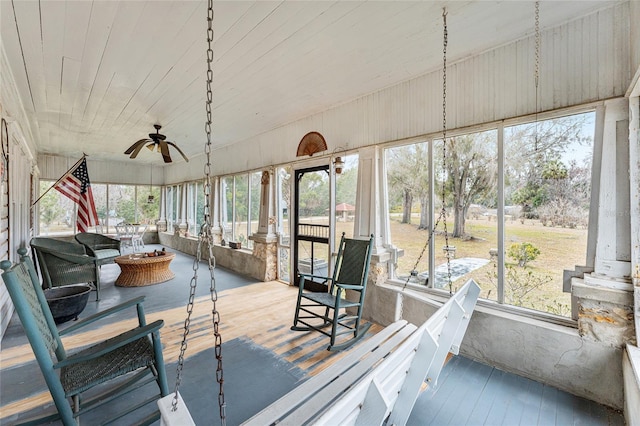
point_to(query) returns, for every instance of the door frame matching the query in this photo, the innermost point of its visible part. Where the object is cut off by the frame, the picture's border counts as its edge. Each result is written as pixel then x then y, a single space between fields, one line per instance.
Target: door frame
pixel 297 171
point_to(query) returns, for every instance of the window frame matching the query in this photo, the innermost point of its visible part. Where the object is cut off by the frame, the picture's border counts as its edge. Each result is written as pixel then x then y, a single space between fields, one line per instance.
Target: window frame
pixel 137 190
pixel 230 205
pixel 499 126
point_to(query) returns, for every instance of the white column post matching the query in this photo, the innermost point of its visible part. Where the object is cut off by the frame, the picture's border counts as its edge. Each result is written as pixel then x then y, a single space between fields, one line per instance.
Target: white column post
pixel 216 213
pixel 161 224
pixel 265 240
pixel 182 226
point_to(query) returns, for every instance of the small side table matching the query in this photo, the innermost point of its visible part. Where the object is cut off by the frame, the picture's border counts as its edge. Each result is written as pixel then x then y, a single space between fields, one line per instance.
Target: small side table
pixel 138 270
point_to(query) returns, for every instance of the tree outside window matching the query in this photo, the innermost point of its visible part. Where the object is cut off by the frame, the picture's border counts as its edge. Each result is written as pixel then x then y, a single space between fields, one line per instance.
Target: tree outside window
pixel 547 175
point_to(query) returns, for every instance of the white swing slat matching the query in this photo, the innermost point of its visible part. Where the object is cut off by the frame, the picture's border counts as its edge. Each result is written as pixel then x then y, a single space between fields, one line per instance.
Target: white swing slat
pixel 180 417
pixel 387 380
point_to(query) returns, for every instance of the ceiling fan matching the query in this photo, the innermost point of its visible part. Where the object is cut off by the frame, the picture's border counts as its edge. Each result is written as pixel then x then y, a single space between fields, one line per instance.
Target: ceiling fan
pixel 156 141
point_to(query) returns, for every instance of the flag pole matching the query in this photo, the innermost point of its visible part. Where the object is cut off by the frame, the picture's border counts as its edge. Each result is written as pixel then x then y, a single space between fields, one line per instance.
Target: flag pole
pixel 67 173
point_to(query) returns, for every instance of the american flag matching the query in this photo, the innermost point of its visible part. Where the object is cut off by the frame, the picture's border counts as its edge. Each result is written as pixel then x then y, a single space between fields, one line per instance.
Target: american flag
pixel 77 187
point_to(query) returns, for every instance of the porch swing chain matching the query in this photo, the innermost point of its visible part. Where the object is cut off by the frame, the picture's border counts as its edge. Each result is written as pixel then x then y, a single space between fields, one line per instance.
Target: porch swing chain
pixel 536 72
pixel 205 236
pixel 443 212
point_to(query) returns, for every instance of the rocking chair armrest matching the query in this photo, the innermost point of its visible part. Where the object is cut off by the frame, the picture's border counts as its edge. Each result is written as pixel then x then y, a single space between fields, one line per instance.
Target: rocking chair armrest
pixel 349 286
pixel 110 345
pixel 97 316
pixel 317 276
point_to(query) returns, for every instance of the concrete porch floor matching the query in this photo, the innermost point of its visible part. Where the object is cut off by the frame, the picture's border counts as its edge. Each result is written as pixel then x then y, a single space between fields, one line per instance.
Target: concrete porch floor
pixel 263 360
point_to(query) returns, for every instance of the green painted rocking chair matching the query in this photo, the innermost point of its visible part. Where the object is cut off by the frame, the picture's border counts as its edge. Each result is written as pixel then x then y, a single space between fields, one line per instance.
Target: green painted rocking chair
pixel 341 306
pixel 136 353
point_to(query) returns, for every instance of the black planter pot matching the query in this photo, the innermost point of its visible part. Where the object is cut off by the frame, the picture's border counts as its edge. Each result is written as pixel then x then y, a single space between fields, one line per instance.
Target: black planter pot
pixel 67 302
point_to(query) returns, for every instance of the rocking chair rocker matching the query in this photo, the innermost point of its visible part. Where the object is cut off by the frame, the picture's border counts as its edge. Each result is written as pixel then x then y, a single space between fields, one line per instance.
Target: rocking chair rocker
pixel 346 291
pixel 136 354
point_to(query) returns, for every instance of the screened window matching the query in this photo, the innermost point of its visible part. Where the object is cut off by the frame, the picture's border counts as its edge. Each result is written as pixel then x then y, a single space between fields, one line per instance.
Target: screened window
pixel 114 204
pixel 546 168
pixel 283 189
pixel 547 171
pixel 195 207
pixel 346 185
pixel 241 207
pixel 57 212
pixel 173 207
pixel 148 206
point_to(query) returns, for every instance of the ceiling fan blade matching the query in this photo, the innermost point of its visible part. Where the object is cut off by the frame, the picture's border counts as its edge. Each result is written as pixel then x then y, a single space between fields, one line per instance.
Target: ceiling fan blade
pixel 164 149
pixel 136 151
pixel 179 150
pixel 135 145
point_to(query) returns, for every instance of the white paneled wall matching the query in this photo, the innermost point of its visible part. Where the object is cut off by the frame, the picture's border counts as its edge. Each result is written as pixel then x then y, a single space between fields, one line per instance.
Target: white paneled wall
pixel 15 191
pixel 581 61
pixel 122 172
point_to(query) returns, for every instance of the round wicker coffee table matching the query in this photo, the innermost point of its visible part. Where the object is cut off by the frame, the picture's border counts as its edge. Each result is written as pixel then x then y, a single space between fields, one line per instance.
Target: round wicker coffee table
pixel 138 270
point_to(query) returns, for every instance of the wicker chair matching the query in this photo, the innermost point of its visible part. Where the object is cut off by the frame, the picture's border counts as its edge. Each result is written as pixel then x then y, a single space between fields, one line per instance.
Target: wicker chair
pixel 62 263
pixel 103 248
pixel 136 354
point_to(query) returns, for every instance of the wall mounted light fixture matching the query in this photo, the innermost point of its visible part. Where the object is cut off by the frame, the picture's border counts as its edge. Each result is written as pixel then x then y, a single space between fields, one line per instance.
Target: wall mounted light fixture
pixel 338 163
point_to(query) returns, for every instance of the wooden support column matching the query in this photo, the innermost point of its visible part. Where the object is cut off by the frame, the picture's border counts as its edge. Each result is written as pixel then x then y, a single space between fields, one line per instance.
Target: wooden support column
pixel 605 296
pixel 634 179
pixel 371 217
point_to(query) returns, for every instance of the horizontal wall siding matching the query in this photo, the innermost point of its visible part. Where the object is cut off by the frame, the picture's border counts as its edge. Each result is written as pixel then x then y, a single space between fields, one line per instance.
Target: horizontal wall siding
pixel 52 167
pixel 8 95
pixel 6 306
pixel 584 60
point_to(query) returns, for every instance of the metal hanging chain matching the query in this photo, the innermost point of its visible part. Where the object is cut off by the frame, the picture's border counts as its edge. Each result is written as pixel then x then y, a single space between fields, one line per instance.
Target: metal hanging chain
pixel 536 72
pixel 443 213
pixel 205 239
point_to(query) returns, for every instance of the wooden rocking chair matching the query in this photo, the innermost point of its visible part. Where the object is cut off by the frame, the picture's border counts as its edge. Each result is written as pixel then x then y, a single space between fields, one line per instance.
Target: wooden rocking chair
pixel 136 353
pixel 346 292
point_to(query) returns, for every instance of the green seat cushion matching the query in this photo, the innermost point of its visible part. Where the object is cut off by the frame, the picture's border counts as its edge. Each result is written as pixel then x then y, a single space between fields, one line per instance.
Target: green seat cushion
pixel 107 253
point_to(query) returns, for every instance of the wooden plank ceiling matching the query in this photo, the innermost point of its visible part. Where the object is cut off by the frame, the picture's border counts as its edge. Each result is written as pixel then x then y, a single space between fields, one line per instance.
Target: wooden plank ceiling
pixel 94 76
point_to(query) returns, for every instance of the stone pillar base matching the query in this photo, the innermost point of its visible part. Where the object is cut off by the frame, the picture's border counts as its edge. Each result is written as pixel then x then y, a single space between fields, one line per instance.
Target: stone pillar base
pixel 605 310
pixel 181 230
pixel 161 225
pixel 265 247
pixel 216 234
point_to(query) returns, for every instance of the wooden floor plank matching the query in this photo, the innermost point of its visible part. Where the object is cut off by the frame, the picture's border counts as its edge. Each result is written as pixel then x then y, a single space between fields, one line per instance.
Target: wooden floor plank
pixel 564 409
pixel 475 379
pixel 505 393
pixel 532 405
pixel 487 398
pixel 517 403
pixel 548 404
pixel 444 399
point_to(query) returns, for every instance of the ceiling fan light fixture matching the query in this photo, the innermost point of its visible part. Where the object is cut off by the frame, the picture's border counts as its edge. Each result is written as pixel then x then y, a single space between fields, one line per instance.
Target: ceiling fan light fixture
pixel 155 140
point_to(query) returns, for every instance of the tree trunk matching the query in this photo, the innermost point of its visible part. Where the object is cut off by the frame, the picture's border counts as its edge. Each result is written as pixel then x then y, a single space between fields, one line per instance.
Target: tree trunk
pixel 424 212
pixel 406 206
pixel 458 217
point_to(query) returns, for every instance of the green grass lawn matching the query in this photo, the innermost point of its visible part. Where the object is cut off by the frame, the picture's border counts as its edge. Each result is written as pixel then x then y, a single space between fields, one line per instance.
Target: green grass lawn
pixel 560 248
